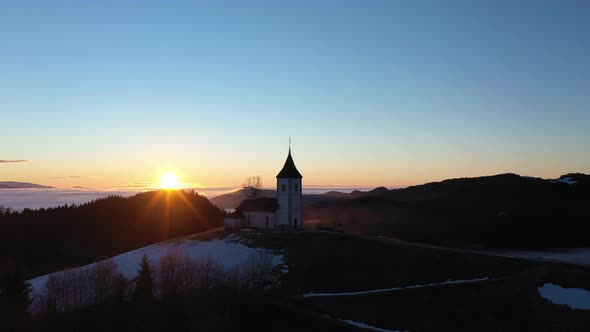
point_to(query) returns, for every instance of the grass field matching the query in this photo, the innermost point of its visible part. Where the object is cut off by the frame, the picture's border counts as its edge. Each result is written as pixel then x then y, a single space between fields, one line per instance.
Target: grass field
pixel 507 301
pixel 500 305
pixel 330 262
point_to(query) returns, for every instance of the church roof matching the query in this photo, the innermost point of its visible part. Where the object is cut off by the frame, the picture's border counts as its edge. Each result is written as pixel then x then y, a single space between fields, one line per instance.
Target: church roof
pixel 263 204
pixel 289 170
pixel 237 214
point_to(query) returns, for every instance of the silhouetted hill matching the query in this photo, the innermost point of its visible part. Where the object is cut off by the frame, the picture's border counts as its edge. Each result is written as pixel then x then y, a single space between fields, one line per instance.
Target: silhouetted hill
pixel 504 210
pixel 375 192
pixel 233 199
pixel 44 240
pixel 356 193
pixel 21 185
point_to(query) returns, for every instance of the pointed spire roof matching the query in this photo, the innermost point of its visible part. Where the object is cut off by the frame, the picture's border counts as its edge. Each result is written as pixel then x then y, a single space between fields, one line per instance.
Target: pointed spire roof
pixel 289 170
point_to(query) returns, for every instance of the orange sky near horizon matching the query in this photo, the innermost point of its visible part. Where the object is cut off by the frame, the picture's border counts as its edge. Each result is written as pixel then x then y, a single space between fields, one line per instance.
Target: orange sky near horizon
pixel 206 172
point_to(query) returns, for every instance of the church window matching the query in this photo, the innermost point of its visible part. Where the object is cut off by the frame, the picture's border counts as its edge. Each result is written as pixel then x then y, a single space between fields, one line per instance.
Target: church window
pixel 296 187
pixel 283 187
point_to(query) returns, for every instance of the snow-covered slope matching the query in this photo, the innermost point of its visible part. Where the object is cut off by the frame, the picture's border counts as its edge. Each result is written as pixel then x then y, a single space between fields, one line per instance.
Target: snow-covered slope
pixel 227 251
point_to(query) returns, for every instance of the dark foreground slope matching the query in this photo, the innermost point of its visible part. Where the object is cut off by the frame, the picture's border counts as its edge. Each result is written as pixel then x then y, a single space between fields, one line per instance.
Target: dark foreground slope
pixel 501 211
pixel 489 293
pixel 486 293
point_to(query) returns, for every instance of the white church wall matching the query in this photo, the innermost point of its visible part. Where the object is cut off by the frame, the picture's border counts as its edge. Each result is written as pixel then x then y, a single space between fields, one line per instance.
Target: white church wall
pixel 297 203
pixel 259 219
pixel 292 194
pixel 283 201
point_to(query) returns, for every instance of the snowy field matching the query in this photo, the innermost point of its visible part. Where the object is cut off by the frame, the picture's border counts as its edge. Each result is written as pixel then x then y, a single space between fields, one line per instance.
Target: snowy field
pixel 227 252
pixel 575 298
pixel 575 256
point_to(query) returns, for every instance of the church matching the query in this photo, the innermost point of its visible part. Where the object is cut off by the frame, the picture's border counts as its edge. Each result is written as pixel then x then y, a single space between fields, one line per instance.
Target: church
pixel 284 211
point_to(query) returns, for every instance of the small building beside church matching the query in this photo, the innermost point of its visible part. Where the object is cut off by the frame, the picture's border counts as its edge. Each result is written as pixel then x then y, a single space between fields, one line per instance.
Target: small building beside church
pixel 284 211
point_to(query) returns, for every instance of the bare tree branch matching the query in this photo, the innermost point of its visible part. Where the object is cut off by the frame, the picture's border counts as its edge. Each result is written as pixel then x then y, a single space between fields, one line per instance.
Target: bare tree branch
pixel 253 187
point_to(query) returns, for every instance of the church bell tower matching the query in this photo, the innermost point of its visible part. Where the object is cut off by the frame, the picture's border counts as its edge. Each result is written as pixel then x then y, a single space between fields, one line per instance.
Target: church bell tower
pixel 289 195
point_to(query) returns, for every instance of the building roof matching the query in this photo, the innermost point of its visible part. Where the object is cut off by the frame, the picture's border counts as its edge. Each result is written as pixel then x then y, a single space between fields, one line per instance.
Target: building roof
pixel 237 214
pixel 263 204
pixel 289 170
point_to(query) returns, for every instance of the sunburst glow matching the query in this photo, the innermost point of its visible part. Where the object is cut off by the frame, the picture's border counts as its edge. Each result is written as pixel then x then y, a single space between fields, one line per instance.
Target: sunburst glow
pixel 169 180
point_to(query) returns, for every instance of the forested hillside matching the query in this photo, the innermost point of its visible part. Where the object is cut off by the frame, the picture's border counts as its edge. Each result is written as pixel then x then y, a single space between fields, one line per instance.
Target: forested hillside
pixel 505 210
pixel 45 240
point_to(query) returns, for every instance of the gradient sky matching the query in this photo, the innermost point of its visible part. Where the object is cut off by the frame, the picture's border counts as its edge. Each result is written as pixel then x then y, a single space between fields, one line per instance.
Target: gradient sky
pixel 105 93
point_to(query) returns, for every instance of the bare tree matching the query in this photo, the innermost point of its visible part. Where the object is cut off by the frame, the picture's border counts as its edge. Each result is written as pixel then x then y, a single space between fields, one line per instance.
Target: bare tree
pixel 76 288
pixel 257 271
pixel 208 272
pixel 253 187
pixel 170 270
pixel 104 275
pixel 187 273
pixel 121 292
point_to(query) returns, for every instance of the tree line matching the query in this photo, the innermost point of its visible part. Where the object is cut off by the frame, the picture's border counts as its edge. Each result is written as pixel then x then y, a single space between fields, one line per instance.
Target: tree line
pixel 103 285
pixel 176 273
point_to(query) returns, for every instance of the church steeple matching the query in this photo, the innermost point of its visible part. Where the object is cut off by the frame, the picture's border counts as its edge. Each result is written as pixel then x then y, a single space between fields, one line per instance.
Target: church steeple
pixel 289 170
pixel 289 194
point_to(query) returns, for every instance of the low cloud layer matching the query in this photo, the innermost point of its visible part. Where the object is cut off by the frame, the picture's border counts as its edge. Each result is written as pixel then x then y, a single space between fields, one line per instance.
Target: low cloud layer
pixel 13 161
pixel 64 177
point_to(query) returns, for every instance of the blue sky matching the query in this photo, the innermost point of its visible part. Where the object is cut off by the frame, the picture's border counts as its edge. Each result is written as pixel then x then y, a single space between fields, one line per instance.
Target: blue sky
pixel 372 92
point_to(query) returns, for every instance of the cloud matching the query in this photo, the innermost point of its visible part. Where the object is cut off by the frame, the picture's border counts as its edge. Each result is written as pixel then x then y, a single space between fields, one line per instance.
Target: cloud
pixel 64 177
pixel 143 184
pixel 13 161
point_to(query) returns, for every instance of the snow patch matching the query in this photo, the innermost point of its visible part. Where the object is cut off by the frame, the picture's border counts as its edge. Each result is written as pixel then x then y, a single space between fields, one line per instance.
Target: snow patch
pixel 450 282
pixel 575 298
pixel 362 325
pixel 575 256
pixel 566 180
pixel 366 326
pixel 227 252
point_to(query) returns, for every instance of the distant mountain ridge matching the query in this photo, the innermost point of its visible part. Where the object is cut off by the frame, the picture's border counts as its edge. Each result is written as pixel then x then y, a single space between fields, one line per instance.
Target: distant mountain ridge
pixel 412 193
pixel 22 185
pixel 233 199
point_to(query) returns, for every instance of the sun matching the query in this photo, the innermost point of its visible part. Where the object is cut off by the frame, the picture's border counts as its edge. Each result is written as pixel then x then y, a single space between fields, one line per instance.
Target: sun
pixel 169 180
